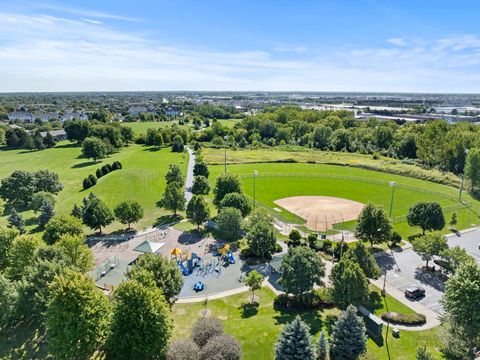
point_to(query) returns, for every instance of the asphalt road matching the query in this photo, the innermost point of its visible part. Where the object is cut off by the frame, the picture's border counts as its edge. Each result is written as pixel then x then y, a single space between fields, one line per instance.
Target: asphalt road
pixel 470 241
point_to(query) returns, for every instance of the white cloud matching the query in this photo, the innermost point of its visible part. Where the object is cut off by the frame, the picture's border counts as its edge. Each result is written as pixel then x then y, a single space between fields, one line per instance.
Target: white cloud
pixel 397 41
pixel 56 53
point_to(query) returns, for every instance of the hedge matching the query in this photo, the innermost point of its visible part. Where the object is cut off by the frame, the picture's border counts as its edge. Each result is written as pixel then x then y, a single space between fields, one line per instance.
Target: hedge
pixel 404 319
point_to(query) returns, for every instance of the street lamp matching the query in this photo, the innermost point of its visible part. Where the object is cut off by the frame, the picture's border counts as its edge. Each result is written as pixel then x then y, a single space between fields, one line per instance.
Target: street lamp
pixel 463 177
pixel 392 185
pixel 255 173
pixel 225 138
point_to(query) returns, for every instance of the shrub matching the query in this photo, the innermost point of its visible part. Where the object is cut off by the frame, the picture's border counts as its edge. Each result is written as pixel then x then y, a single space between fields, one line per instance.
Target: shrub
pixel 205 329
pixel 317 299
pixel 93 179
pixel 116 165
pixel 99 173
pixel 278 248
pixel 404 319
pixel 396 238
pixel 182 349
pixel 222 347
pixel 109 167
pixel 86 183
pixel 105 169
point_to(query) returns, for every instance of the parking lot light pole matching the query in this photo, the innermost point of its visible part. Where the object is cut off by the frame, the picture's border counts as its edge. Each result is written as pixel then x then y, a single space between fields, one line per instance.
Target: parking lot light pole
pixel 392 185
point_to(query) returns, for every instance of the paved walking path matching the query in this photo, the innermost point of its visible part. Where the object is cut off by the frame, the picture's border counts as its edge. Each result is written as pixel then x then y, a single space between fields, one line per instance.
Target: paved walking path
pixel 189 179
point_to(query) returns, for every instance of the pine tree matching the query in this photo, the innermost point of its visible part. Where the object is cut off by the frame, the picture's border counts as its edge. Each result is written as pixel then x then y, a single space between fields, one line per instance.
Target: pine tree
pixel 348 337
pixel 77 211
pixel 294 342
pixel 322 347
pixel 46 213
pixel 16 220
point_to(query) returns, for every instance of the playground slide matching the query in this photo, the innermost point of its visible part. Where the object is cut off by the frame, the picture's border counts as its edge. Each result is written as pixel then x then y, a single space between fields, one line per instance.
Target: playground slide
pixel 185 272
pixel 231 258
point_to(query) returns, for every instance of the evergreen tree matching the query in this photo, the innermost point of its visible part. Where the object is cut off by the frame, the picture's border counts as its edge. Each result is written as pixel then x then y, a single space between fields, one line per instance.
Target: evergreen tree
pixel 294 342
pixel 350 285
pixel 16 220
pixel 348 339
pixel 49 140
pixel 77 211
pixel 46 213
pixel 322 347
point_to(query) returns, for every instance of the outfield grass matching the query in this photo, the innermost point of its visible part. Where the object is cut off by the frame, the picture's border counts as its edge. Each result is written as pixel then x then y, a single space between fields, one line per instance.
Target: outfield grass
pixel 257 327
pixel 141 179
pixel 280 180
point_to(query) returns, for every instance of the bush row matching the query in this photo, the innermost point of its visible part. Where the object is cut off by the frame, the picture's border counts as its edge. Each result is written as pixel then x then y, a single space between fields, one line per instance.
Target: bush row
pixel 404 319
pixel 317 299
pixel 91 180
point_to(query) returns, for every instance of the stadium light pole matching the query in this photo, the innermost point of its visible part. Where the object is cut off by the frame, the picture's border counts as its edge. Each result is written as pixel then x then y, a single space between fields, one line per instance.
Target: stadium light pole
pixel 255 173
pixel 463 177
pixel 225 138
pixel 392 185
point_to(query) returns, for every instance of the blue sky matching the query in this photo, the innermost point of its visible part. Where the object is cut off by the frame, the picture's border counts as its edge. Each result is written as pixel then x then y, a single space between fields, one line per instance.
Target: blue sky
pixel 315 45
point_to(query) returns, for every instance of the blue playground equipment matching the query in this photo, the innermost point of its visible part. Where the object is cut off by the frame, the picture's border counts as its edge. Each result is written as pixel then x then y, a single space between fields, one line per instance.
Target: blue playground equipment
pixel 185 272
pixel 231 258
pixel 198 286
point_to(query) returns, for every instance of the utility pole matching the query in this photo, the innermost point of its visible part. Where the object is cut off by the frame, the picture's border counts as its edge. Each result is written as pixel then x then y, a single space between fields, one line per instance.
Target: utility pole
pixel 255 173
pixel 392 184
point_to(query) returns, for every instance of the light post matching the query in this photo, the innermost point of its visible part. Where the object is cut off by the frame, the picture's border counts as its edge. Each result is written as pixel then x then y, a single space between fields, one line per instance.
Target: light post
pixel 392 185
pixel 225 138
pixel 463 177
pixel 255 173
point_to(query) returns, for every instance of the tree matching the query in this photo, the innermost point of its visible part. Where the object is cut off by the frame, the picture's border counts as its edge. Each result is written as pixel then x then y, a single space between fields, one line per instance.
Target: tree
pixel 348 339
pixel 128 212
pixel 294 238
pixel 7 236
pixel 183 349
pixel 261 239
pixel 97 215
pixel 47 181
pixel 254 282
pixel 221 347
pixel 39 198
pixel 15 220
pixel 294 342
pixel 350 285
pixel 77 316
pixel 87 184
pixel 200 185
pixel 21 255
pixel 364 258
pixel 18 188
pixel 177 144
pixel 62 225
pixel 322 347
pixel 454 257
pixel 430 245
pixel 429 216
pixel 49 140
pixel 373 225
pixel 225 184
pixel 229 223
pixel 77 212
pixel 301 269
pixel 166 273
pixel 158 140
pixel 237 201
pixel 46 213
pixel 258 215
pixel 197 210
pixel 472 167
pixel 8 299
pixel 77 130
pixel 200 169
pixel 95 148
pixel 205 329
pixel 76 254
pixel 173 197
pixel 423 354
pixel 453 220
pixel 174 175
pixel 141 325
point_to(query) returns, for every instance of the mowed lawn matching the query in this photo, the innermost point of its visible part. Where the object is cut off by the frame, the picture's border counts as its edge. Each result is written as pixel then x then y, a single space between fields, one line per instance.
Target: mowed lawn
pixel 141 179
pixel 141 127
pixel 280 180
pixel 257 327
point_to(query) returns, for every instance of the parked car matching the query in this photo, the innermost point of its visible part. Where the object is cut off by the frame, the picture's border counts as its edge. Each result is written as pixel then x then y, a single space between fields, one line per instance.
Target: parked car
pixel 415 292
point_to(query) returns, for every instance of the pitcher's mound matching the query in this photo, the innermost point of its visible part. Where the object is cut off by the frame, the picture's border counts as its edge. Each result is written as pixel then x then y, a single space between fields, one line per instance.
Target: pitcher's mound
pixel 321 212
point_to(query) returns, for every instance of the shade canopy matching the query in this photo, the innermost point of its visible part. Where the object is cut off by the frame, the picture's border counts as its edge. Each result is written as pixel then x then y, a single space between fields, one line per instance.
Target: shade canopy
pixel 176 251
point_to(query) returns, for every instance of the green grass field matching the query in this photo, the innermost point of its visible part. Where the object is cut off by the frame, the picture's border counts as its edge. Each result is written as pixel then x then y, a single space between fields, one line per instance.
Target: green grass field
pixel 141 179
pixel 142 127
pixel 257 327
pixel 280 180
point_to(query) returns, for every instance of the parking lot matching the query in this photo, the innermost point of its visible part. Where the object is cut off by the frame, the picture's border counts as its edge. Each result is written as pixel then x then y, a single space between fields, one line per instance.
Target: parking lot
pixel 404 268
pixel 470 241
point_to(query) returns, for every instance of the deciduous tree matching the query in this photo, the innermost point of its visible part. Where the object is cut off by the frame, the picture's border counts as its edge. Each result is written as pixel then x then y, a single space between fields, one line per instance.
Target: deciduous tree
pixel 360 254
pixel 229 223
pixel 225 184
pixel 350 285
pixel 197 210
pixel 373 225
pixel 254 282
pixel 429 216
pixel 96 214
pixel 430 245
pixel 174 197
pixel 128 212
pixel 95 148
pixel 62 225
